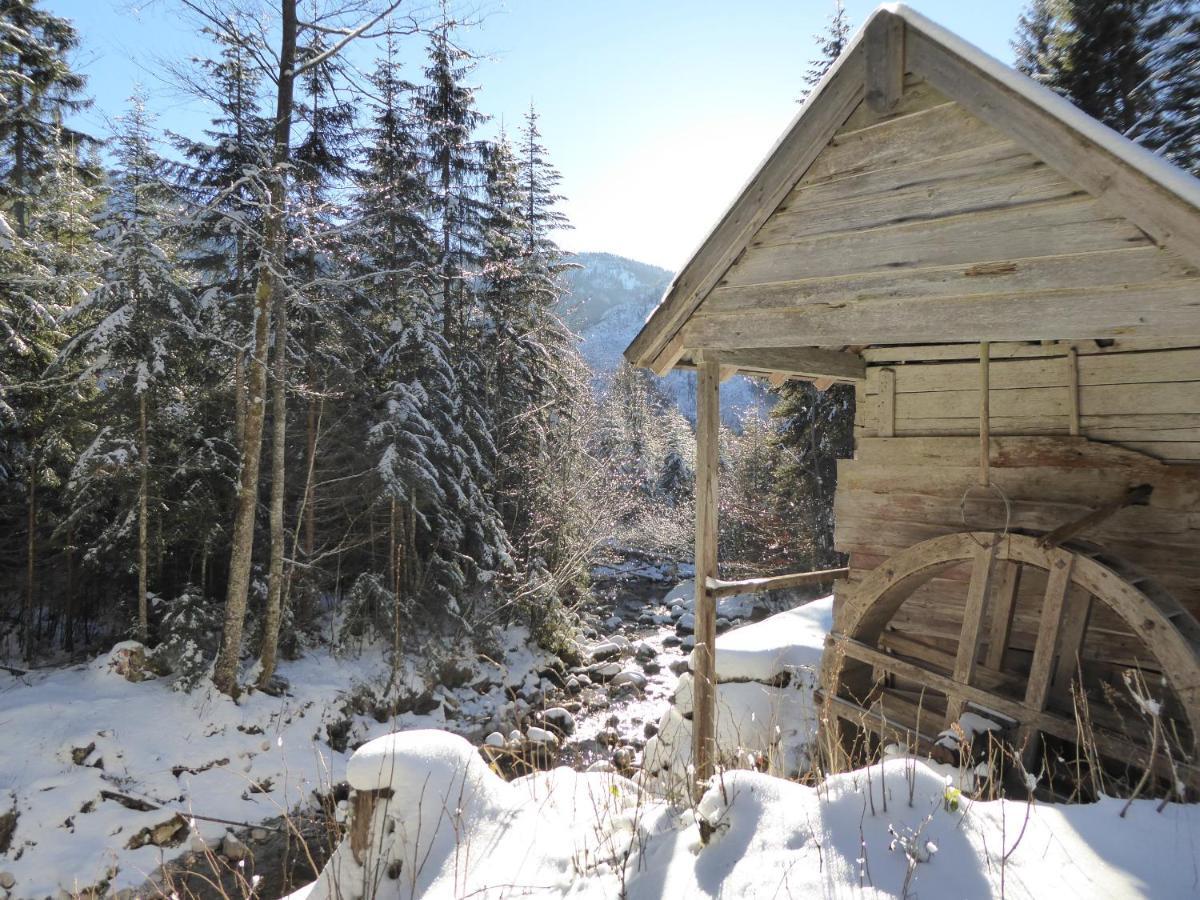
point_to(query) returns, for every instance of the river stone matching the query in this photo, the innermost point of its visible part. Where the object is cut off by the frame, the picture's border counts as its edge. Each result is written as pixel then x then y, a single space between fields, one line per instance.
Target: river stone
pixel 7 880
pixel 613 623
pixel 573 685
pixel 644 650
pixel 671 640
pixel 558 719
pixel 233 849
pixel 622 758
pixel 650 730
pixel 603 651
pixel 722 624
pixel 605 671
pixel 612 721
pixel 541 735
pixel 629 676
pixel 609 737
pixel 650 667
pixel 685 624
pixel 677 611
pixel 495 739
pixel 679 666
pixel 688 643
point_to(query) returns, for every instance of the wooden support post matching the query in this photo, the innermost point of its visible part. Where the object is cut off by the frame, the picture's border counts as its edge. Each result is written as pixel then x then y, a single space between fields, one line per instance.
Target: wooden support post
pixel 985 427
pixel 885 62
pixel 1073 387
pixel 708 422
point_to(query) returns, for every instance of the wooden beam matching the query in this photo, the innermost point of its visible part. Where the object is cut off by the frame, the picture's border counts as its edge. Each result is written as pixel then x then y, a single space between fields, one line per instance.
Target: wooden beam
pixel 720 588
pixel 708 423
pixel 1073 388
pixel 1076 612
pixel 728 372
pixel 1171 220
pixel 794 362
pixel 1139 495
pixel 1041 668
pixel 885 62
pixel 668 356
pixel 818 121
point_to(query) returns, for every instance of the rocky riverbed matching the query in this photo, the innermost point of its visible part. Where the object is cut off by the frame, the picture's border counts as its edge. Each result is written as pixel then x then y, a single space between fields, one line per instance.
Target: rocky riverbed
pixel 600 713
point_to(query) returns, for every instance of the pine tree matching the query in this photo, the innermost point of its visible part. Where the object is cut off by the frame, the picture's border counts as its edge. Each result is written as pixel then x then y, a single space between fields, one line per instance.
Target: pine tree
pixel 830 44
pixel 142 324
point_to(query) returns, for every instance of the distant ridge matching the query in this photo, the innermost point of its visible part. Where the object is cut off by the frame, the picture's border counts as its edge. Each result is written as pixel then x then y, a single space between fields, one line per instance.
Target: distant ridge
pixel 609 299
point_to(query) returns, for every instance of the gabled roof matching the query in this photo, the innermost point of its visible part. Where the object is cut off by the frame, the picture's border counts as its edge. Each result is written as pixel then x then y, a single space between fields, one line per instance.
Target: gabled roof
pixel 1124 178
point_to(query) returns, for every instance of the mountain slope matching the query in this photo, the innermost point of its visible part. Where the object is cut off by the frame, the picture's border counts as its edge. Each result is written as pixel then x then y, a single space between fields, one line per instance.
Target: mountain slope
pixel 609 299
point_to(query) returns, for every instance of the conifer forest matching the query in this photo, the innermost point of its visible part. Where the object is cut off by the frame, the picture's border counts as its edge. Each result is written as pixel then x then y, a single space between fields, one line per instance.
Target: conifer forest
pixel 304 443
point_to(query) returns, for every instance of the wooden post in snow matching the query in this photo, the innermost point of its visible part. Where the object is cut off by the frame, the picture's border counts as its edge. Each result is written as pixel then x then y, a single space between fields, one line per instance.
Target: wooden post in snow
pixel 708 422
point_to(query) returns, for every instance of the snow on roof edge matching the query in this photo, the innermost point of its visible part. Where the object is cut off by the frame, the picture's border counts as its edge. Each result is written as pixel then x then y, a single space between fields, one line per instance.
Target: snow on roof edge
pixel 1150 164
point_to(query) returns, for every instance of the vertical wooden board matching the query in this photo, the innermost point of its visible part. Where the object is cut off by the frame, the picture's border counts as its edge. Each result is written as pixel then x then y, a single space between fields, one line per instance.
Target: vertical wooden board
pixel 1075 622
pixel 1041 669
pixel 1003 606
pixel 1073 389
pixel 708 381
pixel 885 62
pixel 968 641
pixel 886 426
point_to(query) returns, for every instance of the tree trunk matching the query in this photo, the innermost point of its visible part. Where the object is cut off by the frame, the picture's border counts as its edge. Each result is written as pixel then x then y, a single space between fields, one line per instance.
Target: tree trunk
pixel 270 638
pixel 310 514
pixel 69 616
pixel 242 544
pixel 30 561
pixel 143 618
pixel 239 401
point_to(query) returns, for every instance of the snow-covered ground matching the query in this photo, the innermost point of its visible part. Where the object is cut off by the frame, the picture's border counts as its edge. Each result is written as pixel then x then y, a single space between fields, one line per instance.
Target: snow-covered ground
pixel 894 830
pixel 82 744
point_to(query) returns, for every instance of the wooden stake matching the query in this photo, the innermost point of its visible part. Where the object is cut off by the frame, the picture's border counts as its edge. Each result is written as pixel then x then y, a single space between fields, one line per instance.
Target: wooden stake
pixel 704 656
pixel 1073 387
pixel 984 413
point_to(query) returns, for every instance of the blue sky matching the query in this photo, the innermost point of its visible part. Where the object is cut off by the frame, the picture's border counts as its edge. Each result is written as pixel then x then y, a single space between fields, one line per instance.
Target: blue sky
pixel 655 111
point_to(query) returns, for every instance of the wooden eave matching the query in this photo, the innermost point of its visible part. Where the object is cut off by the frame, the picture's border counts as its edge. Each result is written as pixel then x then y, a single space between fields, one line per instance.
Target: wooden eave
pixel 897 43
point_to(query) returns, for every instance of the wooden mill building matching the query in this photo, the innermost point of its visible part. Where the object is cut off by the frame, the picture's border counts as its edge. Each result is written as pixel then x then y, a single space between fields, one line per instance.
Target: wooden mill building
pixel 1014 291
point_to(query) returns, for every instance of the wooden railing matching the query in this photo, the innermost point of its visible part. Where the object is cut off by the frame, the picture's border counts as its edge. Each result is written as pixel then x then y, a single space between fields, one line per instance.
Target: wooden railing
pixel 719 588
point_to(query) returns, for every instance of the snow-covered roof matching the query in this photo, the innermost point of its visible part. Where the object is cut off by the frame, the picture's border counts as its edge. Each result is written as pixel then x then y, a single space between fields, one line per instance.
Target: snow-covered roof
pixel 1156 181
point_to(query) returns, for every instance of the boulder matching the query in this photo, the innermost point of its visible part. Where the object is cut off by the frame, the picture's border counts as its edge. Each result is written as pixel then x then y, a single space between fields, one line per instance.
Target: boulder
pixel 559 720
pixel 631 677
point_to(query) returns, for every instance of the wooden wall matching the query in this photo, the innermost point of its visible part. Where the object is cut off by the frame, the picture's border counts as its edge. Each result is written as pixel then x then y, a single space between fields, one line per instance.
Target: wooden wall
pixel 916 469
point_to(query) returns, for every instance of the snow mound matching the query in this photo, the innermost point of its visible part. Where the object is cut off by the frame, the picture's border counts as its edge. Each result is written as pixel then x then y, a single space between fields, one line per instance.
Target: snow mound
pixel 787 642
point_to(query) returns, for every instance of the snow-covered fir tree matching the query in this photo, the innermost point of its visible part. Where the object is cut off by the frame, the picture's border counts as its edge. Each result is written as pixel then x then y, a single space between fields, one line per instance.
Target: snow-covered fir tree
pixel 140 324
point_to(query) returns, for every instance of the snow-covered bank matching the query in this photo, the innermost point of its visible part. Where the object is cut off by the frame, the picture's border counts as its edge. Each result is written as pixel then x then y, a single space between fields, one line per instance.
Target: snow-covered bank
pixel 83 745
pixel 454 829
pixel 765 715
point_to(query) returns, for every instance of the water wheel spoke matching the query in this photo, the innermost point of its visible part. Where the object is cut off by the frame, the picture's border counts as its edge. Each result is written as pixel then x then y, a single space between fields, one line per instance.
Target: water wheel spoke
pixel 1076 612
pixel 968 640
pixel 1003 606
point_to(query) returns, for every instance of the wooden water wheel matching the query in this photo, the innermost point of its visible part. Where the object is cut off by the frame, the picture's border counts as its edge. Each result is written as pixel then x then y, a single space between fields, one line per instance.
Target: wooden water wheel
pixel 902 690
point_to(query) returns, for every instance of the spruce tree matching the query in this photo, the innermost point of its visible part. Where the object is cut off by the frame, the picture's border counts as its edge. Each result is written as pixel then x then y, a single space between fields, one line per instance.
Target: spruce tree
pixel 1174 84
pixel 830 44
pixel 40 89
pixel 141 327
pixel 446 107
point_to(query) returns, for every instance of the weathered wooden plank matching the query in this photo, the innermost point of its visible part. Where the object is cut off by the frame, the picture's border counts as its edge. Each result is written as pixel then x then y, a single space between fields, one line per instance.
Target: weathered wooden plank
pixel 708 423
pixel 802 362
pixel 720 588
pixel 1015 452
pixel 1075 621
pixel 997 236
pixel 774 180
pixel 918 95
pixel 886 415
pixel 1173 221
pixel 885 62
pixel 922 353
pixel 972 623
pixel 1160 310
pixel 1099 269
pixel 922 136
pixel 1048 372
pixel 1172 397
pixel 1003 607
pixel 1024 181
